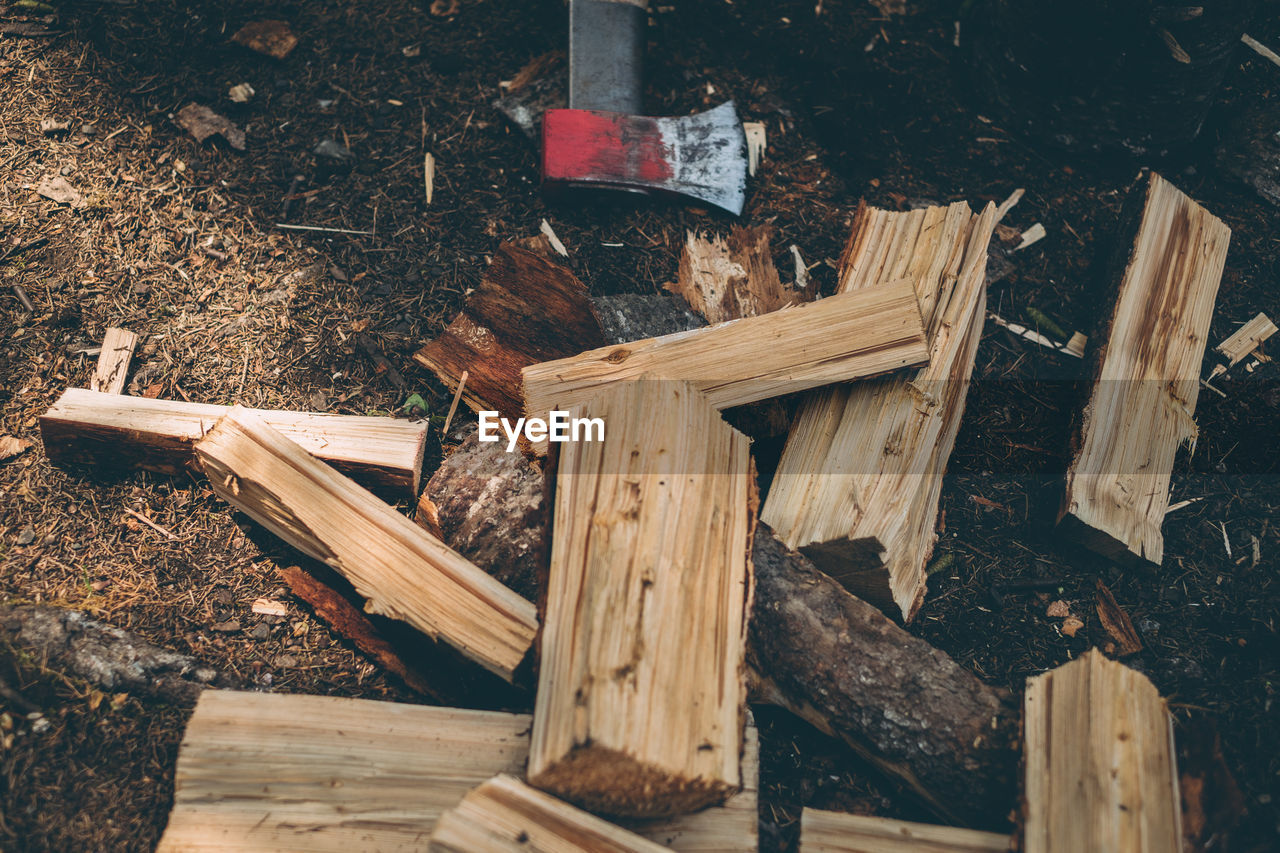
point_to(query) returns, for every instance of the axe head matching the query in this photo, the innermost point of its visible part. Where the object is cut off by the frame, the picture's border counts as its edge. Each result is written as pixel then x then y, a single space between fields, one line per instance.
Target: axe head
pixel 702 156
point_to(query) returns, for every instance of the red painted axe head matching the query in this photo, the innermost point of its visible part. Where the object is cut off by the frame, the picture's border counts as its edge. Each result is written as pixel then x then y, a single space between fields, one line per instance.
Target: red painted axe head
pixel 702 156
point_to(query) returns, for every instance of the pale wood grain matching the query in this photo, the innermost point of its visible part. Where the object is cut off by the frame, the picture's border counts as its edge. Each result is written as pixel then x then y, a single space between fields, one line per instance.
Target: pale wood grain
pixel 848 336
pixel 1100 773
pixel 642 687
pixel 262 772
pixel 113 362
pixel 836 832
pixel 504 815
pixel 402 570
pixel 1146 379
pixel 91 428
pixel 858 484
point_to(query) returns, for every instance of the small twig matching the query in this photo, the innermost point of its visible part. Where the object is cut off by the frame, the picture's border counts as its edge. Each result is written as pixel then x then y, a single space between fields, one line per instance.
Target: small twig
pixel 429 175
pixel 17 698
pixel 214 253
pixel 1260 48
pixel 14 251
pixel 453 407
pixel 27 305
pixel 166 531
pixel 290 196
pixel 288 227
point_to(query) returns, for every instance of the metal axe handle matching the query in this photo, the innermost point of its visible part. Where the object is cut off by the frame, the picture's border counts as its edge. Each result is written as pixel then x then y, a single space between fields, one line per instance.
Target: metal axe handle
pixel 606 55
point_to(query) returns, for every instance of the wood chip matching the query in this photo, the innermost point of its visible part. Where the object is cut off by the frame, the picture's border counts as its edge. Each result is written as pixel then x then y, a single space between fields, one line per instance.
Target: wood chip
pixel 1071 626
pixel 57 188
pixel 1032 235
pixel 1117 623
pixel 11 447
pixel 1246 339
pixel 270 38
pixel 757 139
pixel 1058 610
pixel 202 123
pixel 269 607
pixel 550 233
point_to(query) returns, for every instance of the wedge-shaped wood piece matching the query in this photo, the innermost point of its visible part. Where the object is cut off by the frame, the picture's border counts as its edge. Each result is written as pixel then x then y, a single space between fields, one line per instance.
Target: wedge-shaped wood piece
pixel 504 815
pixel 859 481
pixel 836 832
pixel 642 690
pixel 113 362
pixel 1099 762
pixel 403 571
pixel 259 773
pixel 849 336
pixel 527 309
pixel 111 431
pixel 1146 374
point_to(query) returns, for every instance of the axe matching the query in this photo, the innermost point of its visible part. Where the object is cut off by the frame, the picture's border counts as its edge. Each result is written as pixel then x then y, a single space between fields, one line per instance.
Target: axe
pixel 603 140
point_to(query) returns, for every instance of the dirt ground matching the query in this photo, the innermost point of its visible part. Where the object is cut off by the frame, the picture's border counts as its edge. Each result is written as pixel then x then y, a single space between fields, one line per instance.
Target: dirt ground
pixel 857 104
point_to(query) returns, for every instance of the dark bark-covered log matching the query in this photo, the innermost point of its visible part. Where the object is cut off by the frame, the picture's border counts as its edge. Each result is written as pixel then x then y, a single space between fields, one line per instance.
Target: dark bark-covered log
pixel 527 309
pixel 818 651
pixel 107 657
pixel 842 665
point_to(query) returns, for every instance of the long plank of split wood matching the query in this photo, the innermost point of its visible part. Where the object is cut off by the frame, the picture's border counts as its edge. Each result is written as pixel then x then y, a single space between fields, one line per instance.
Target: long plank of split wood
pixel 504 815
pixel 527 309
pixel 403 571
pixel 836 832
pixel 641 692
pixel 1146 375
pixel 113 362
pixel 1099 761
pixel 259 773
pixel 108 430
pixel 848 336
pixel 858 484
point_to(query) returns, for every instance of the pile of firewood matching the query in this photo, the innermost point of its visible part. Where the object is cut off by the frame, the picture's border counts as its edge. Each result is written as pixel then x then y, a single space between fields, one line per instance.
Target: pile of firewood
pixel 638 586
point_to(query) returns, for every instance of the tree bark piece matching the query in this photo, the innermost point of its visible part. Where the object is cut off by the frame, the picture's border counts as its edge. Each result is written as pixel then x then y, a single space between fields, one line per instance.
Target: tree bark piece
pixel 403 571
pixel 831 658
pixel 271 772
pixel 117 432
pixel 835 832
pixel 113 362
pixel 642 691
pixel 462 500
pixel 849 336
pixel 1099 762
pixel 858 485
pixel 504 815
pixel 839 663
pixel 729 279
pixel 103 655
pixel 1146 375
pixel 347 620
pixel 527 309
